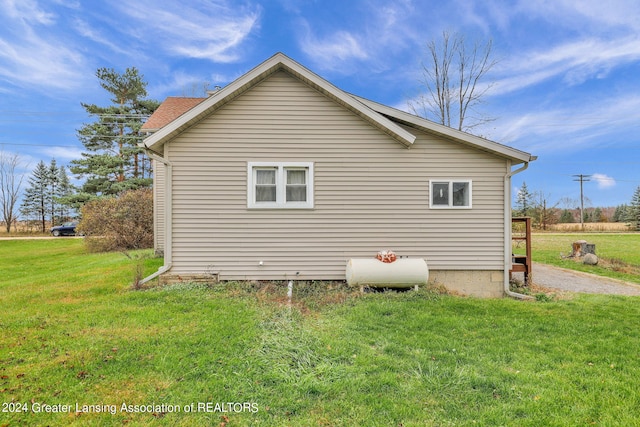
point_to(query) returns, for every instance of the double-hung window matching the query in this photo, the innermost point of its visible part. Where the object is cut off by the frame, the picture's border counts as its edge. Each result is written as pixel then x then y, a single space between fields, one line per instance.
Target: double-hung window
pixel 450 194
pixel 279 185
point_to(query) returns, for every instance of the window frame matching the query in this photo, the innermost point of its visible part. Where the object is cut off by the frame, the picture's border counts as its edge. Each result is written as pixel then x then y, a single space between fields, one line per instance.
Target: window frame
pixel 281 185
pixel 450 183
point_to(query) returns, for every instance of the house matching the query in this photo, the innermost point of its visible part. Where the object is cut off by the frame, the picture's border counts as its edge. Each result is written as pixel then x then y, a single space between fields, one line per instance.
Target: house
pixel 283 176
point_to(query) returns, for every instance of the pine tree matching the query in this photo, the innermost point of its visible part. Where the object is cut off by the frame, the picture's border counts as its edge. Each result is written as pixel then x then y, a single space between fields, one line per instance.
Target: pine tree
pixel 634 209
pixel 523 200
pixel 64 191
pixel 53 176
pixel 37 196
pixel 620 214
pixel 113 161
pixel 566 217
pixel 597 215
pixel 48 186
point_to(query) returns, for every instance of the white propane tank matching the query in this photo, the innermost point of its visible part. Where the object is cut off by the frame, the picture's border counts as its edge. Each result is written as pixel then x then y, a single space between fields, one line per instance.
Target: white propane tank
pixel 402 273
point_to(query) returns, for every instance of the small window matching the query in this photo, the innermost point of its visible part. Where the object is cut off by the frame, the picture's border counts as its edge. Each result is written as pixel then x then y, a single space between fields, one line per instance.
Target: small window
pixel 266 185
pixel 296 187
pixel 449 194
pixel 279 185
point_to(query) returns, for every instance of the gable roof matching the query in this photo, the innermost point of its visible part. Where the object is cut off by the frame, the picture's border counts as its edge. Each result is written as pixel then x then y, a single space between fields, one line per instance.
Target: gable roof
pixel 172 120
pixel 272 65
pixel 172 108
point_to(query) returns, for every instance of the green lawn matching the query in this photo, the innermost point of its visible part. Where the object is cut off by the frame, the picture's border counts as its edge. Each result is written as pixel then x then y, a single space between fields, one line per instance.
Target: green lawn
pixel 619 254
pixel 74 333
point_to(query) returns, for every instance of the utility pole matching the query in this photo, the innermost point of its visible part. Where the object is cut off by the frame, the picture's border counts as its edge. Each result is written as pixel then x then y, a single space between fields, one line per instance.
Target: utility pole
pixel 582 178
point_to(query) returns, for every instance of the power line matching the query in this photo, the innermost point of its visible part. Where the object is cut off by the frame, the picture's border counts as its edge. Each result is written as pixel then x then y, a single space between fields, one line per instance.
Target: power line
pixel 39 145
pixel 582 178
pixel 68 114
pixel 30 113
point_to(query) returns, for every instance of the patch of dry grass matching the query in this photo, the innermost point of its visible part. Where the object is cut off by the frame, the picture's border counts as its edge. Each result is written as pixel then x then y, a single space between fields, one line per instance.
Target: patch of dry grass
pixel 600 227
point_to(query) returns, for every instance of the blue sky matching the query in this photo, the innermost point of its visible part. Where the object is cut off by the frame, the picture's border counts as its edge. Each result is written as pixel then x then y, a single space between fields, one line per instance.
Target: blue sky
pixel 566 87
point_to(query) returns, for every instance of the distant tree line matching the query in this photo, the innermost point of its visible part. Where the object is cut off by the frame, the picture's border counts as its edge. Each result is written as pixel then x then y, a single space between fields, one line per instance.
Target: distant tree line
pixel 537 206
pixel 47 197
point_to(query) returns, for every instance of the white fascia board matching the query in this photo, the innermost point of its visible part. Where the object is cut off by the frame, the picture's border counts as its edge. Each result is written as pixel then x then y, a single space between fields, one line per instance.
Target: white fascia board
pixel 463 137
pixel 275 63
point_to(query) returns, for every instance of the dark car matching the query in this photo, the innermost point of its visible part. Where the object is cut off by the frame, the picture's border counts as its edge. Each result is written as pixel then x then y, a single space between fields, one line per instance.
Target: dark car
pixel 66 229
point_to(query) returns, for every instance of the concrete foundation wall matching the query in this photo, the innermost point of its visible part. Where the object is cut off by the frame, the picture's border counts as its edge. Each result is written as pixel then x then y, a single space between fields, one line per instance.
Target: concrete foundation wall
pixel 172 279
pixel 477 283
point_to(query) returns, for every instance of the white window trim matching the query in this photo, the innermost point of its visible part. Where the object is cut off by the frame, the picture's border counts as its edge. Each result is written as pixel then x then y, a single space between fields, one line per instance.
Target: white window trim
pixel 450 182
pixel 280 202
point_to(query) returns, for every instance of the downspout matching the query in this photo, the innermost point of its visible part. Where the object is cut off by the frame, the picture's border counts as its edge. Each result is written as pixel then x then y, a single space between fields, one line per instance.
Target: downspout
pixel 167 214
pixel 507 232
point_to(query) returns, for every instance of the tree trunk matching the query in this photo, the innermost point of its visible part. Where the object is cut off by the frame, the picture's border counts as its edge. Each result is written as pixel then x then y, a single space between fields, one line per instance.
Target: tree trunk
pixel 44 218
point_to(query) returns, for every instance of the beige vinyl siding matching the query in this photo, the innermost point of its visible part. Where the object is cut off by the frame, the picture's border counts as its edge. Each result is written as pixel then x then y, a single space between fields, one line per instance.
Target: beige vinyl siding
pixel 370 192
pixel 158 205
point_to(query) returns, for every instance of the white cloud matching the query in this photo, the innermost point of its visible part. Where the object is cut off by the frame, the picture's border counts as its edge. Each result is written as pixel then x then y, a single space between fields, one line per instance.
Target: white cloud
pixel 62 153
pixel 578 125
pixel 555 39
pixel 332 51
pixel 574 61
pixel 603 181
pixel 375 33
pixel 90 32
pixel 48 63
pixel 27 11
pixel 32 54
pixel 588 16
pixel 211 31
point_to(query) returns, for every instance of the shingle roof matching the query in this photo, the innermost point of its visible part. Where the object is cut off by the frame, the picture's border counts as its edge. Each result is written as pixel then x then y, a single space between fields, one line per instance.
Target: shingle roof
pixel 172 108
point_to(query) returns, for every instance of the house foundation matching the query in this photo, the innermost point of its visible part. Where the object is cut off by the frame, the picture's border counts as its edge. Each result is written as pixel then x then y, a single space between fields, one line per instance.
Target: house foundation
pixel 477 283
pixel 172 279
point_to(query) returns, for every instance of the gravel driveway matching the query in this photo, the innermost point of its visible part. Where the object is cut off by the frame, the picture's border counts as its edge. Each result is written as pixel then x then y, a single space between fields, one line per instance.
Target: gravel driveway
pixel 576 281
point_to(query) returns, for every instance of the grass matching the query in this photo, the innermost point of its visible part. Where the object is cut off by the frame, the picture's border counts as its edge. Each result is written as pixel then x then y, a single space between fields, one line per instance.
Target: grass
pixel 618 254
pixel 599 227
pixel 74 332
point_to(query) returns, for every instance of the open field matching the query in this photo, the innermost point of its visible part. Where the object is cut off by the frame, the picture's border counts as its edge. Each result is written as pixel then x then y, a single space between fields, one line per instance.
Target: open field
pixel 619 254
pixel 74 333
pixel 598 227
pixel 24 228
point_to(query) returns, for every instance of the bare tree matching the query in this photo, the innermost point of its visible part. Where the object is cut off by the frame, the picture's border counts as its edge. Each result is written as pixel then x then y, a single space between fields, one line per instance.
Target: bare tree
pixel 569 203
pixel 543 213
pixel 10 183
pixel 452 78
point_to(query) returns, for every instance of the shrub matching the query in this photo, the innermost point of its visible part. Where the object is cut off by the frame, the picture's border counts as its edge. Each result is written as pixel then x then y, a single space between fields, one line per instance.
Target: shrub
pixel 119 223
